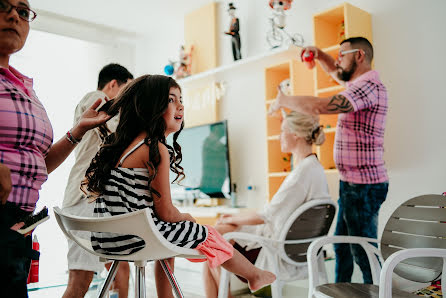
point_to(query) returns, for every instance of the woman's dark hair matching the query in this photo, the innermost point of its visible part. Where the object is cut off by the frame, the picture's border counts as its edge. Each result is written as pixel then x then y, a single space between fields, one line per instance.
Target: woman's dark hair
pixel 141 106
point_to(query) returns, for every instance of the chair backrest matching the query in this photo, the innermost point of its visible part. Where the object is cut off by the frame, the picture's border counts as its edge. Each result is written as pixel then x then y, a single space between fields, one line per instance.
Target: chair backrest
pixel 138 223
pixel 419 222
pixel 311 220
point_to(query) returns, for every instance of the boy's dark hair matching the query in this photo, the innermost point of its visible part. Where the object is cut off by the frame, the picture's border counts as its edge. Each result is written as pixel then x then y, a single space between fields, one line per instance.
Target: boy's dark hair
pixel 111 72
pixel 363 44
pixel 141 106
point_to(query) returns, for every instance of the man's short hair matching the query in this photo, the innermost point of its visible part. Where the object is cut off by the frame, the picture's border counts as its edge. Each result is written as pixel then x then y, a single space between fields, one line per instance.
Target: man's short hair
pixel 363 44
pixel 111 72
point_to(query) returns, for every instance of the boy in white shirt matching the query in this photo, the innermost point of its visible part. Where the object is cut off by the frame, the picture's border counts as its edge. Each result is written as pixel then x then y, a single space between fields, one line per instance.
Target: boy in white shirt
pixel 81 264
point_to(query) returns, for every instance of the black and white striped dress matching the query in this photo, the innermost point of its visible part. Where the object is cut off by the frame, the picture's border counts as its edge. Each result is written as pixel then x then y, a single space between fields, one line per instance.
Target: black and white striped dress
pixel 127 191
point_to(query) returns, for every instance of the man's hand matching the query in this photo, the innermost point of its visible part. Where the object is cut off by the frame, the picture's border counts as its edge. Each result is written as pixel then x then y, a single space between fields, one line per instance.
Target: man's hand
pixel 314 50
pixel 89 119
pixel 277 104
pixel 5 183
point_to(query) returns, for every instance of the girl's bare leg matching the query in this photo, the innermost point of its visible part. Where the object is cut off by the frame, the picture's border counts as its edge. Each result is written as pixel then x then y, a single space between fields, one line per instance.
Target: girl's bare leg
pixel 257 278
pixel 163 287
pixel 212 281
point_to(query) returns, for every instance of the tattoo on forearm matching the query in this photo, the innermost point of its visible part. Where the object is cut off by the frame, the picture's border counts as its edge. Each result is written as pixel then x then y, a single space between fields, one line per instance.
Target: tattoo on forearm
pixel 340 104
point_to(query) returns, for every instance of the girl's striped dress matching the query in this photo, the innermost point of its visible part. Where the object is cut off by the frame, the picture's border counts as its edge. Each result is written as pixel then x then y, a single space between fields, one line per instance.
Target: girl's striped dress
pixel 126 191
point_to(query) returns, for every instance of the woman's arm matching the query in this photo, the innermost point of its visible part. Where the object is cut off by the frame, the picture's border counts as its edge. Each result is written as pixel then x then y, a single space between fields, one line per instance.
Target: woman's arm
pixel 164 208
pixel 241 219
pixel 60 150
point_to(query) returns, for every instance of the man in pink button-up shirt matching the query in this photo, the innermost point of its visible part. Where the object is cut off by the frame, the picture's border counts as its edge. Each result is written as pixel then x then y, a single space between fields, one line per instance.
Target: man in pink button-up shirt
pixel 358 149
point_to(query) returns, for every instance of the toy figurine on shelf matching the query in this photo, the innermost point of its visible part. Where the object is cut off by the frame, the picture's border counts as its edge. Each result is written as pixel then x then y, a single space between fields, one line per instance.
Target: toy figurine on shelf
pixel 275 36
pixel 182 68
pixel 234 28
pixel 279 8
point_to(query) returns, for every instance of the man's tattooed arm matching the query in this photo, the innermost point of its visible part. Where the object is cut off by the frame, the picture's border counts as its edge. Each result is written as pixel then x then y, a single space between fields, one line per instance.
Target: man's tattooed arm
pixel 339 104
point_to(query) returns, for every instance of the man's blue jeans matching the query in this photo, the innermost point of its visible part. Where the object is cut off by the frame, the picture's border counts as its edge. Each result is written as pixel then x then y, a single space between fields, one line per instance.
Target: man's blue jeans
pixel 357 216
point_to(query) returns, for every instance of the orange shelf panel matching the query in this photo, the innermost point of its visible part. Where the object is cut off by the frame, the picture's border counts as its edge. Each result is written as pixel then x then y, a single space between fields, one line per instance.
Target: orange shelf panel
pixel 274 184
pixel 274 75
pixel 325 152
pixel 277 161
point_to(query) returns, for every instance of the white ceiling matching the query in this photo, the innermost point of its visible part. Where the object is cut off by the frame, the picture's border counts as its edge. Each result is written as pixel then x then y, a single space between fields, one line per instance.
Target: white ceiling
pixel 139 16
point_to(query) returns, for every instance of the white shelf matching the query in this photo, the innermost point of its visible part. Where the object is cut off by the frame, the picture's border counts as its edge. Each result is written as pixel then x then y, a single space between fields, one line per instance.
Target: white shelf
pixel 290 53
pixel 278 174
pixel 331 171
pixel 273 138
pixel 332 48
pixel 330 89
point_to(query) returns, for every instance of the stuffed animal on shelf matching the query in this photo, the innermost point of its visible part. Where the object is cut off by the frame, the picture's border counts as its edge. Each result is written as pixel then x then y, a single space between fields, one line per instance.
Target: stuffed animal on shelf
pixel 181 68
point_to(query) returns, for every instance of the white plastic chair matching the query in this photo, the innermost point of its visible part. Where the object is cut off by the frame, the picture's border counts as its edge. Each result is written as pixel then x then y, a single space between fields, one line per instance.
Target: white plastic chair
pixel 138 223
pixel 413 240
pixel 310 221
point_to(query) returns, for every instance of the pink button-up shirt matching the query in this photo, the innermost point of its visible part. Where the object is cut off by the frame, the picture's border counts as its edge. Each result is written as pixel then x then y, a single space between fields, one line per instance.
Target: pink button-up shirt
pixel 26 136
pixel 359 141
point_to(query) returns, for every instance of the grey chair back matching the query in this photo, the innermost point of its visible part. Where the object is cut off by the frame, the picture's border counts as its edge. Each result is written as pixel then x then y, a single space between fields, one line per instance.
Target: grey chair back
pixel 313 219
pixel 418 223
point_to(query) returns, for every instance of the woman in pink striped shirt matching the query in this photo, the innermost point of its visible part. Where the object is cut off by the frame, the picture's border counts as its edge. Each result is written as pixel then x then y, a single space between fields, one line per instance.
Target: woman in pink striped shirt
pixel 27 154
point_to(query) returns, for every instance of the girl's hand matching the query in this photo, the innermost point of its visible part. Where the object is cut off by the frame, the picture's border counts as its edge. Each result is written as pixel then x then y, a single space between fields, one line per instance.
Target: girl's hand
pixel 89 119
pixel 188 217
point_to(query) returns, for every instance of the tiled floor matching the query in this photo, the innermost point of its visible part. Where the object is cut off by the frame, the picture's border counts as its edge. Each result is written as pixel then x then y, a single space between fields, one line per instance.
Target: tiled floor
pixel 189 277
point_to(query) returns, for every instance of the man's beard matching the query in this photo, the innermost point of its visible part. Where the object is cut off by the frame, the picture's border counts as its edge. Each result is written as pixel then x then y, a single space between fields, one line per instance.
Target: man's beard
pixel 346 75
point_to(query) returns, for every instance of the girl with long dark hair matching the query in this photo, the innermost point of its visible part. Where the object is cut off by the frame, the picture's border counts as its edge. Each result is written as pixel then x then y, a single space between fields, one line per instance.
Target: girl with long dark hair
pixel 131 172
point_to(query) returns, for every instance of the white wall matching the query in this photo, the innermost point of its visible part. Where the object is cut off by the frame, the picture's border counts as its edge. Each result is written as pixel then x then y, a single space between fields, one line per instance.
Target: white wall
pixel 408 37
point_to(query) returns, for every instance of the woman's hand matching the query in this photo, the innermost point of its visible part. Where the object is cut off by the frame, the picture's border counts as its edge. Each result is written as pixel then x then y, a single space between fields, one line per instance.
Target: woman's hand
pixel 89 119
pixel 5 183
pixel 226 219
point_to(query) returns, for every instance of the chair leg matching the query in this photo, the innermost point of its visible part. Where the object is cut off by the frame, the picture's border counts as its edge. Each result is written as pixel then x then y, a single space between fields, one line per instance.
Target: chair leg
pixel 172 279
pixel 276 289
pixel 110 277
pixel 140 281
pixel 223 287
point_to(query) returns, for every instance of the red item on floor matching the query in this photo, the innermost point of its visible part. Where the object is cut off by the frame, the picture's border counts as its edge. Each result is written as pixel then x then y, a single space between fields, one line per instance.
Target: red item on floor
pixel 33 275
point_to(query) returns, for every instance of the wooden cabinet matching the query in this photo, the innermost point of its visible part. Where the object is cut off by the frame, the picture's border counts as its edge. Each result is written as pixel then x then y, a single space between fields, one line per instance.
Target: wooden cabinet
pixel 330 28
pixel 301 83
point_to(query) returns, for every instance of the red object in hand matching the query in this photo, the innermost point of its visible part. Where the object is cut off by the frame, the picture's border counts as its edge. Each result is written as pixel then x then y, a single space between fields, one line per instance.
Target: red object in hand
pixel 33 275
pixel 307 57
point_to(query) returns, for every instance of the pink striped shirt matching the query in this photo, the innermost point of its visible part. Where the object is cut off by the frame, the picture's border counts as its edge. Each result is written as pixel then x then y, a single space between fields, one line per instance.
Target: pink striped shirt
pixel 26 136
pixel 359 140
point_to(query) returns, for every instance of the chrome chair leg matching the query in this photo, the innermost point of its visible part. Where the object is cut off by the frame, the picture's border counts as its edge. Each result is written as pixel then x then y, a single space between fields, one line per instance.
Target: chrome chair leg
pixel 110 277
pixel 140 281
pixel 173 282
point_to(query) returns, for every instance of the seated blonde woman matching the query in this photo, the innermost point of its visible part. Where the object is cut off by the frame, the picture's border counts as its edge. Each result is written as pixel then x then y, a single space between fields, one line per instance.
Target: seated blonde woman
pixel 306 182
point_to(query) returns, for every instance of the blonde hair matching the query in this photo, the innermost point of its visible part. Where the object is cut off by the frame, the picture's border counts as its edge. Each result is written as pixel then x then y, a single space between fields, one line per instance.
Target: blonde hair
pixel 305 126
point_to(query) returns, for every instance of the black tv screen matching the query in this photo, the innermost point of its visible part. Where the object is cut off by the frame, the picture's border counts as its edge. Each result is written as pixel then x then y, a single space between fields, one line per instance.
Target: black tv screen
pixel 205 162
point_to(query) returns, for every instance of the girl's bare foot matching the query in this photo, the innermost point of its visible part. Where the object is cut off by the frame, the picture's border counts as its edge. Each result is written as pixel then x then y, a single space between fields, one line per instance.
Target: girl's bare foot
pixel 262 279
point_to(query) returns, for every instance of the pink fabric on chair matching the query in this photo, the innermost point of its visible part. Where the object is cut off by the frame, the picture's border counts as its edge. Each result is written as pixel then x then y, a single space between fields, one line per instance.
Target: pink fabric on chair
pixel 216 249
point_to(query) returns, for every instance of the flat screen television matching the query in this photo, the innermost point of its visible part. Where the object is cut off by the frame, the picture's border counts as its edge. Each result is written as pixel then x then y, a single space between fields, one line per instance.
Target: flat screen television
pixel 205 162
